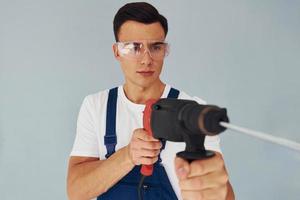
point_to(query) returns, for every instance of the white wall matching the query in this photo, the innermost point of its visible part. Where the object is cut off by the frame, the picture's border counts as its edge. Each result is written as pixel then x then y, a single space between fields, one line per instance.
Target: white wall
pixel 243 55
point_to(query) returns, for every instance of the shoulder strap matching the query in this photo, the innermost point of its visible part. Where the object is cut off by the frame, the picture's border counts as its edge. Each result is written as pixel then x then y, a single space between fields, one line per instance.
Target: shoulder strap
pixel 174 93
pixel 110 138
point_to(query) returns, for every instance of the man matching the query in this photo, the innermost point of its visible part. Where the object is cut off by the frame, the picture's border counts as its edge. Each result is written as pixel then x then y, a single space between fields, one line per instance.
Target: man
pixel 110 144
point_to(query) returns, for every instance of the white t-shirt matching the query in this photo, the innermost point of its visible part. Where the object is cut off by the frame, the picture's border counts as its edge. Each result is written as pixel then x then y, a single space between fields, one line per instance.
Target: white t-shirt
pixel 91 125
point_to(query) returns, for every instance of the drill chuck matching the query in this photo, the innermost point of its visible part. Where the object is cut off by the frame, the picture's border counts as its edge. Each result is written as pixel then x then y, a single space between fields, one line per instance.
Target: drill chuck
pixel 172 118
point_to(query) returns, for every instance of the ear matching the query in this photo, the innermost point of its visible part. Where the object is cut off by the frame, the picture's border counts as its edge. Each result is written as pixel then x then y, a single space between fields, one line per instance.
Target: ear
pixel 116 52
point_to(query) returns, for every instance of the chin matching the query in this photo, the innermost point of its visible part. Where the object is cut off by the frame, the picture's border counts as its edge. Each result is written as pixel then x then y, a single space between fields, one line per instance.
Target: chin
pixel 145 84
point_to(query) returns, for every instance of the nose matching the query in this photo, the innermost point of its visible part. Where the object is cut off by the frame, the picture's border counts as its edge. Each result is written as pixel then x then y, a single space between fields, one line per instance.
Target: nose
pixel 146 59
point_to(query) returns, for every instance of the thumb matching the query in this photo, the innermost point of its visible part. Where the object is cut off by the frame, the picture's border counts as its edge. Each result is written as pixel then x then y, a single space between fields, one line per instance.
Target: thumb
pixel 182 168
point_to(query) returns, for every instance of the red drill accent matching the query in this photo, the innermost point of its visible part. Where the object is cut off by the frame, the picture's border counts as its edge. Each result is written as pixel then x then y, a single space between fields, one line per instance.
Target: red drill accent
pixel 147 170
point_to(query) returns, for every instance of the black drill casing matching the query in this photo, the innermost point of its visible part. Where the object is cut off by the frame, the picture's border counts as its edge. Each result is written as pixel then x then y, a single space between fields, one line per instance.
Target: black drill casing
pixel 178 121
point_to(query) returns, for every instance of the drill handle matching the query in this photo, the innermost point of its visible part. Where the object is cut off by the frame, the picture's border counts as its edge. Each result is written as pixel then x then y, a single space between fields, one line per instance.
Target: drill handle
pixel 147 170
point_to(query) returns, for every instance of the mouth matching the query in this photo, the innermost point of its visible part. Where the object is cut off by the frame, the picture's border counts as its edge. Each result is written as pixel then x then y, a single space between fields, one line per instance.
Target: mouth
pixel 145 73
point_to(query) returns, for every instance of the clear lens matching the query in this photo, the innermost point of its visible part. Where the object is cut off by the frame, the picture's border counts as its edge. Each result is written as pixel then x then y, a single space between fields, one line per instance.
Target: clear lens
pixel 158 50
pixel 136 50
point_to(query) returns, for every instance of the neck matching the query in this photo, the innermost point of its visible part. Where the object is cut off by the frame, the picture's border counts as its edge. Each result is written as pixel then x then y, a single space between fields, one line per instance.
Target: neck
pixel 140 94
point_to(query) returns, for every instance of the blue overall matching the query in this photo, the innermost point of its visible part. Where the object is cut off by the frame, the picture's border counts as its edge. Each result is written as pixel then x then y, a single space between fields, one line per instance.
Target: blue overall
pixel 155 187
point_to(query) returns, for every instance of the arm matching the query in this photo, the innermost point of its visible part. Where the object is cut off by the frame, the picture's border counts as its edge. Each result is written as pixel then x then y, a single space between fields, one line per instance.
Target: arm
pixel 89 177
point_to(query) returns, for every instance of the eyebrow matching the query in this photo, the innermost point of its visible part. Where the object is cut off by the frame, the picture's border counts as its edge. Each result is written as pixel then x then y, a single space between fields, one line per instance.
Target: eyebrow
pixel 140 42
pixel 155 43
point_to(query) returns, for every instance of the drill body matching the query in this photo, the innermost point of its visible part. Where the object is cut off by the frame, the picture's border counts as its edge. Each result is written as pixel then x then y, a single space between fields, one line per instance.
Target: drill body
pixel 183 121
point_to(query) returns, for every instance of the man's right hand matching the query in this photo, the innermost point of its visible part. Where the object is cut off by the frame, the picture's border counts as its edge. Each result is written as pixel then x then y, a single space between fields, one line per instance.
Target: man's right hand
pixel 143 149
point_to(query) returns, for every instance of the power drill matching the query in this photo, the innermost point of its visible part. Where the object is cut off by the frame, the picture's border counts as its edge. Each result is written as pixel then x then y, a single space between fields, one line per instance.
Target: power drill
pixel 183 121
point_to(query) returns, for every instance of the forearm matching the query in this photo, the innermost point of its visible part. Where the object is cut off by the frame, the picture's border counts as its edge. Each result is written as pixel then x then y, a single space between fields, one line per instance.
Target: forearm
pixel 230 193
pixel 90 179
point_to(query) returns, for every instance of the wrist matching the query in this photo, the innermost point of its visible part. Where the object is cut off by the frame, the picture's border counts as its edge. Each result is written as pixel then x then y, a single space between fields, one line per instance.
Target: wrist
pixel 128 158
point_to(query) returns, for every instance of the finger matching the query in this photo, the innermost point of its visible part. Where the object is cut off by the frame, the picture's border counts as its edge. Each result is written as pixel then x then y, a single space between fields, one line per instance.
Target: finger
pixel 182 168
pixel 148 145
pixel 147 161
pixel 205 166
pixel 148 153
pixel 186 194
pixel 215 193
pixel 212 180
pixel 143 135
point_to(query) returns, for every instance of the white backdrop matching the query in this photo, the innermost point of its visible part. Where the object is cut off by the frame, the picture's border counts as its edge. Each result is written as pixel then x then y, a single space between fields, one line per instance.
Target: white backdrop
pixel 243 55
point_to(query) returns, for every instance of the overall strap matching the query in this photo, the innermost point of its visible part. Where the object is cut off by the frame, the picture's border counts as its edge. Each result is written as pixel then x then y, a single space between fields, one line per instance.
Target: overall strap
pixel 174 93
pixel 110 138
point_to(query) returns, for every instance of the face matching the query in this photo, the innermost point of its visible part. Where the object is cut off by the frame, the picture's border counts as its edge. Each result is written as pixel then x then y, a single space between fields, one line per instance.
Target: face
pixel 145 70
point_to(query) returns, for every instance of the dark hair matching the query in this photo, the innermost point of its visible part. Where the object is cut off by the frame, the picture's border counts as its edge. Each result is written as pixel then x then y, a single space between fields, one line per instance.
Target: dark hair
pixel 141 12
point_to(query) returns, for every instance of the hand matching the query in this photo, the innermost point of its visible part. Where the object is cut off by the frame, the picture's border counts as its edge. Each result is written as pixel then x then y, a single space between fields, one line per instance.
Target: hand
pixel 143 149
pixel 202 179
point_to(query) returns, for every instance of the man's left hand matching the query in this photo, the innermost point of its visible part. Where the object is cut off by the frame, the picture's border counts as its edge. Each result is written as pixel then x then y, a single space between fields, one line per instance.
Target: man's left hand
pixel 202 179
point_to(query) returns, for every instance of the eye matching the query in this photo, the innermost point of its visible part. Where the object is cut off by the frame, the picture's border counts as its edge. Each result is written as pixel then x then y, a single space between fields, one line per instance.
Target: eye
pixel 157 47
pixel 136 46
pixel 132 46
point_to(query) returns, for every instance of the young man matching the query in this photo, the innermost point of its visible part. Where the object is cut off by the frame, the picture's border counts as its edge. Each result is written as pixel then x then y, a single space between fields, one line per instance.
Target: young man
pixel 111 145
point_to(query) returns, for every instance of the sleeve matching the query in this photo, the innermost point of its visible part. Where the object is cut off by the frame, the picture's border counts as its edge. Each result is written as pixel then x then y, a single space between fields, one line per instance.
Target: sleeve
pixel 86 143
pixel 211 142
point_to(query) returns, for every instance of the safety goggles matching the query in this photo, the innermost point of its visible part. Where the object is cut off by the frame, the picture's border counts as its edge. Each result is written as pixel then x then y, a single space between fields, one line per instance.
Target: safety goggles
pixel 135 50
